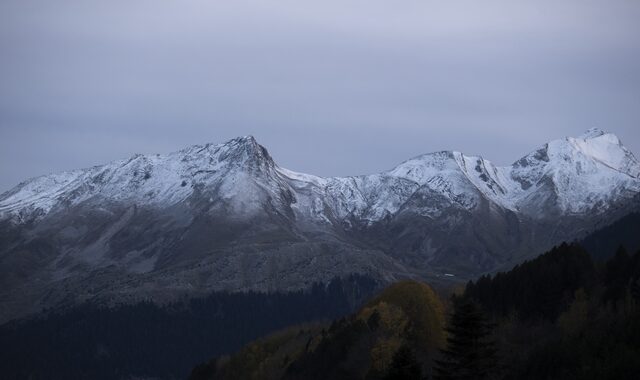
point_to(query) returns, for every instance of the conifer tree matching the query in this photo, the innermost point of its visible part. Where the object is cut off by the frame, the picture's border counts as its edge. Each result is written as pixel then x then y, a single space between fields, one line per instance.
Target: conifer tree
pixel 404 366
pixel 470 353
pixel 616 277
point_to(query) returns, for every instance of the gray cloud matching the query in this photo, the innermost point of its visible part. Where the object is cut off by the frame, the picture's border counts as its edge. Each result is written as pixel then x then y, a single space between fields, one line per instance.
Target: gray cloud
pixel 329 87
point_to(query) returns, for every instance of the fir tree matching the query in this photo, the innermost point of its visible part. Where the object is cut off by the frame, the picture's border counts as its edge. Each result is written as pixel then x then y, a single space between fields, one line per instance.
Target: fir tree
pixel 616 276
pixel 470 353
pixel 404 366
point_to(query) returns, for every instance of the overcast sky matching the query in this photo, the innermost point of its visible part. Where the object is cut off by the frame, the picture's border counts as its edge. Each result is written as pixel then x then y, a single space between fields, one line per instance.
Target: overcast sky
pixel 329 87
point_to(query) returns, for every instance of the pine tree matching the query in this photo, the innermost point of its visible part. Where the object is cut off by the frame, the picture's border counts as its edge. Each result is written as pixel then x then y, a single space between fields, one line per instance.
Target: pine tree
pixel 470 353
pixel 616 277
pixel 404 366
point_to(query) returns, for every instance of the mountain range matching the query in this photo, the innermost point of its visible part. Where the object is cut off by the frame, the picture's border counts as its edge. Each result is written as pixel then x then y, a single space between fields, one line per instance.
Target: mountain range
pixel 227 218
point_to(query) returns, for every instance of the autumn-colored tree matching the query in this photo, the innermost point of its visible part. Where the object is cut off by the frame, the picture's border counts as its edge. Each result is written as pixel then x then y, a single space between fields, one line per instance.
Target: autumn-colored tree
pixel 573 320
pixel 388 324
pixel 424 310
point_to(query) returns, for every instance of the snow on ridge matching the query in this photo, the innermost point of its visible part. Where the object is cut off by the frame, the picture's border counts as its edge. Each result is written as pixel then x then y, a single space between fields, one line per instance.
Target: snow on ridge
pixel 584 170
pixel 577 174
pixel 592 133
pixel 302 177
pixel 607 149
pixel 149 179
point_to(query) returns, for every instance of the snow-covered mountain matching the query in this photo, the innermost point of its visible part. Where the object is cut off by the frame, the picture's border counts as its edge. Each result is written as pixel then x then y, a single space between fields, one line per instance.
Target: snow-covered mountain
pixel 227 217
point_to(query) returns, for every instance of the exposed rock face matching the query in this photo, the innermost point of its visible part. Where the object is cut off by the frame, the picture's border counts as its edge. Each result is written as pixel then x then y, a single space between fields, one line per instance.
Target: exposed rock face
pixel 226 217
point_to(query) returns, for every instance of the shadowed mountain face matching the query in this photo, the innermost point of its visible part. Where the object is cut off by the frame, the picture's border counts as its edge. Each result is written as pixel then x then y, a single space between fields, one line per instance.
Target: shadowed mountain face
pixel 228 218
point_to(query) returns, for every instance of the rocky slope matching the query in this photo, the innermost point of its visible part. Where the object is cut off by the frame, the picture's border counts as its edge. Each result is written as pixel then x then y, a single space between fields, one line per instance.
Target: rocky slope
pixel 227 217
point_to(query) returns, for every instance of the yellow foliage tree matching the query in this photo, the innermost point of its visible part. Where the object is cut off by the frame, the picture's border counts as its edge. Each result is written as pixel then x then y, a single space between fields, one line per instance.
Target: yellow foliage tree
pixel 574 319
pixel 391 324
pixel 423 310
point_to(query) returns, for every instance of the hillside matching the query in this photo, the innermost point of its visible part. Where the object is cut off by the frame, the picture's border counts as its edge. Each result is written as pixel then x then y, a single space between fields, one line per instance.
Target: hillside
pixel 558 316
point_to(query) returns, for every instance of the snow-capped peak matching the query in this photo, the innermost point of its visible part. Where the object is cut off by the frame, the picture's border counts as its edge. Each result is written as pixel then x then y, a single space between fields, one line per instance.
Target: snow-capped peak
pixel 606 149
pixel 238 150
pixel 144 179
pixel 591 133
pixel 595 146
pixel 577 172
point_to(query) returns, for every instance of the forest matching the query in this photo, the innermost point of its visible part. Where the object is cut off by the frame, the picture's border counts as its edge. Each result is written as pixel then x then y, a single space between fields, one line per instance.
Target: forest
pixel 93 341
pixel 562 315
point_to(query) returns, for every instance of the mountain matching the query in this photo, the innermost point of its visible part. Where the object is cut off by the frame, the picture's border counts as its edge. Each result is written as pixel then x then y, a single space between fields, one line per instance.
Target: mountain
pixel 94 341
pixel 228 218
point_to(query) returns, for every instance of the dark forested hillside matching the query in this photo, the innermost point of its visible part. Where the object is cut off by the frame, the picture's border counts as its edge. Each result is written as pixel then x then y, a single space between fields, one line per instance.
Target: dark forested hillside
pixel 92 342
pixel 538 289
pixel 559 316
pixel 603 243
pixel 406 318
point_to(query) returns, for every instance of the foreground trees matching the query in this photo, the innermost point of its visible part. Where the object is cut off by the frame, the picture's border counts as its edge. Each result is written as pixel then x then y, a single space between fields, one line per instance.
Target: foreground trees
pixel 470 352
pixel 559 316
pixel 405 365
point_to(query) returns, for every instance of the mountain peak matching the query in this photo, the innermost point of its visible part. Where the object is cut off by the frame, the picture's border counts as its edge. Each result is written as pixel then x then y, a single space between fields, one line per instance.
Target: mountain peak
pixel 240 149
pixel 244 140
pixel 594 147
pixel 247 150
pixel 598 136
pixel 607 149
pixel 592 133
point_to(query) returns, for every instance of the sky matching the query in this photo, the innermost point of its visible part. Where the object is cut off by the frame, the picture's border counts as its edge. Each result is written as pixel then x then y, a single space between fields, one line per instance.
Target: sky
pixel 328 87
